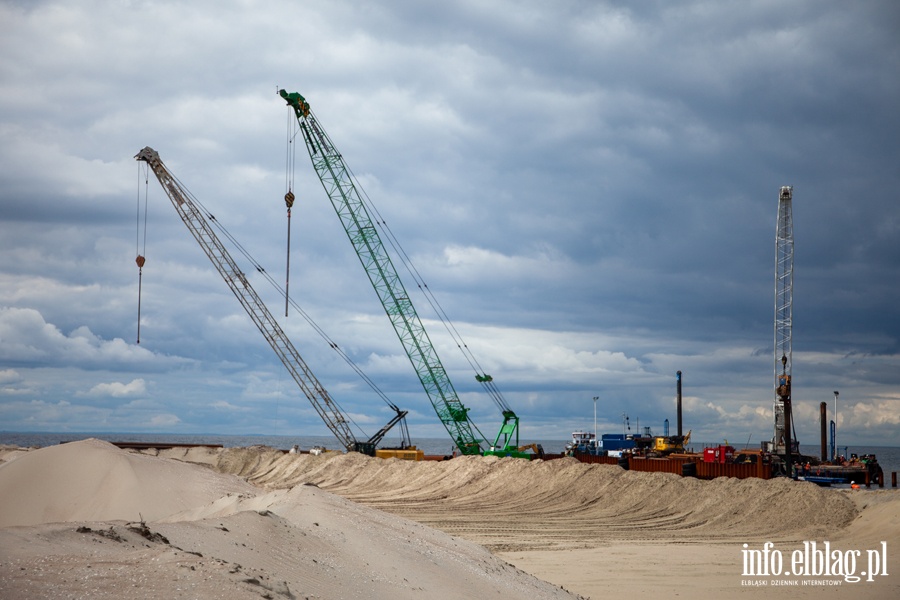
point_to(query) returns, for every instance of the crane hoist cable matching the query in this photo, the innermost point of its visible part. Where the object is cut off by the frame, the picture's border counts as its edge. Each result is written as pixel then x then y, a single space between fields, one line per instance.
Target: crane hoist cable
pixel 480 375
pixel 141 248
pixel 265 274
pixel 289 168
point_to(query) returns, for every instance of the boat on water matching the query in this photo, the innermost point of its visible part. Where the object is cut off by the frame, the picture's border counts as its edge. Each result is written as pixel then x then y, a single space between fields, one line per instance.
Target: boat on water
pixel 855 470
pixel 583 442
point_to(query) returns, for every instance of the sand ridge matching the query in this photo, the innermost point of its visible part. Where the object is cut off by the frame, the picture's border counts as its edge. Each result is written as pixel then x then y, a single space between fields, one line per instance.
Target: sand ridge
pixel 563 503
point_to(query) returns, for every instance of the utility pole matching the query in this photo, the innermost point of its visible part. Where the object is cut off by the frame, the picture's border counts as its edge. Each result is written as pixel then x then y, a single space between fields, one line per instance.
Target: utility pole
pixel 595 418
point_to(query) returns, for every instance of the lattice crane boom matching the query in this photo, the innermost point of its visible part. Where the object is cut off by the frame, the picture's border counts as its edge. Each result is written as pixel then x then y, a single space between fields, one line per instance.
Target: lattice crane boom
pixel 360 228
pixel 203 232
pixel 784 303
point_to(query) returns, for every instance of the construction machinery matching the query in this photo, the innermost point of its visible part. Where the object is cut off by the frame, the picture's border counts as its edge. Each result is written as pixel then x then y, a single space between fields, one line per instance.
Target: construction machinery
pixel 536 449
pixel 351 209
pixel 664 445
pixel 659 445
pixel 201 228
pixel 783 442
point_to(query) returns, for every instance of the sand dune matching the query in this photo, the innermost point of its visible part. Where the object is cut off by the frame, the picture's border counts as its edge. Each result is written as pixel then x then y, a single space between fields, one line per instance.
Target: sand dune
pixel 555 504
pixel 212 535
pixel 93 480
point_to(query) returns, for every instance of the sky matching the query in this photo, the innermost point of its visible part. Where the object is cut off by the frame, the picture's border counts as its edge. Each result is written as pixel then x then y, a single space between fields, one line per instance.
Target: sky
pixel 590 190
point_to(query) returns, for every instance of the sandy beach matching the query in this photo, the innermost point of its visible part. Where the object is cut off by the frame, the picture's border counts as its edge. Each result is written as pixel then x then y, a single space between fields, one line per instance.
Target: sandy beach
pixel 89 520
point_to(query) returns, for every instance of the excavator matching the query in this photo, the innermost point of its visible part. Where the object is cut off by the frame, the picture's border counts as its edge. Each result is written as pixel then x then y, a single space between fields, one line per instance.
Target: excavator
pixel 200 226
pixel 351 209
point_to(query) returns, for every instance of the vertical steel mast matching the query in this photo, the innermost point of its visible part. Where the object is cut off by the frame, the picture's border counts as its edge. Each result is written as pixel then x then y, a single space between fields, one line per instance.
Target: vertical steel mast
pixel 784 302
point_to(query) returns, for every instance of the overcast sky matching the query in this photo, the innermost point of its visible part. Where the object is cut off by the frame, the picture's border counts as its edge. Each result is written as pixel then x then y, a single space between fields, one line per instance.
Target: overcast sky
pixel 589 188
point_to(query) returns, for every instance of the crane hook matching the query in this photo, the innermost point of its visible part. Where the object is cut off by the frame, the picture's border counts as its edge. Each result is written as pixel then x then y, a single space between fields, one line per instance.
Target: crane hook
pixel 140 260
pixel 289 201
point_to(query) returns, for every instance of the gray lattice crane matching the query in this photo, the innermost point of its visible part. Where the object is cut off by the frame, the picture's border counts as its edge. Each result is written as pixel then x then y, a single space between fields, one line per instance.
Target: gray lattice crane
pixel 783 441
pixel 199 226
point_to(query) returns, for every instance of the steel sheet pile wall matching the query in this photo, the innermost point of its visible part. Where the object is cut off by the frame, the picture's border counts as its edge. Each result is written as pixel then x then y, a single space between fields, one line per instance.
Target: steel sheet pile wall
pixel 705 470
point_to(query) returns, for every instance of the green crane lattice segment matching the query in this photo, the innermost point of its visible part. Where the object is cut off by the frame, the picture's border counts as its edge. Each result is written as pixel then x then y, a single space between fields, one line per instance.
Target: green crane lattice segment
pixel 360 229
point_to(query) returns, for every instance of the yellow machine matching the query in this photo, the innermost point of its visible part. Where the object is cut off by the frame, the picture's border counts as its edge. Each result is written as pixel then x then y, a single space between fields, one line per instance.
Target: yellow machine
pixel 670 444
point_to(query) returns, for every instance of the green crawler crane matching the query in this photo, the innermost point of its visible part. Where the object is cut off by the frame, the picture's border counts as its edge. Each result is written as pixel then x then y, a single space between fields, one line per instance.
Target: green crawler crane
pixel 348 203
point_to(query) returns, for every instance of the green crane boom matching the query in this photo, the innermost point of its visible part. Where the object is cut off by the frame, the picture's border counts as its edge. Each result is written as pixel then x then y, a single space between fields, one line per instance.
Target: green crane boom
pixel 347 202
